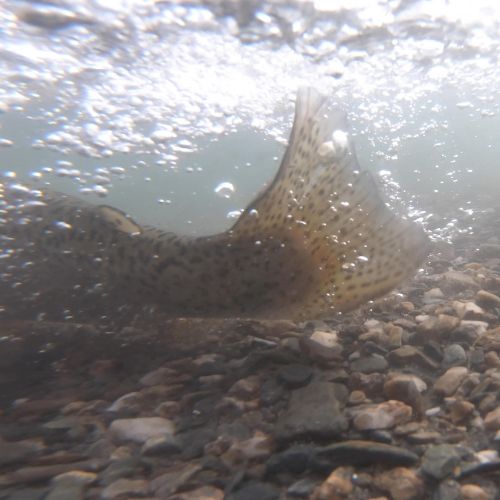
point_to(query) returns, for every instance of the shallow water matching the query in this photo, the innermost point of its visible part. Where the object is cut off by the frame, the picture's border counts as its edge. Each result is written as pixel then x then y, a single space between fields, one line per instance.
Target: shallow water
pixel 180 98
pixel 179 114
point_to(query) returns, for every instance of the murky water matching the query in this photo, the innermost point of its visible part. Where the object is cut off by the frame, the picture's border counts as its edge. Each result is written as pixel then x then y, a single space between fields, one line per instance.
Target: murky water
pixel 179 113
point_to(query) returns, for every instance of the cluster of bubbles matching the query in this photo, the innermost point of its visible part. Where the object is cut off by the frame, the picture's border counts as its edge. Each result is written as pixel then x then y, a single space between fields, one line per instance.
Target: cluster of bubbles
pixel 140 77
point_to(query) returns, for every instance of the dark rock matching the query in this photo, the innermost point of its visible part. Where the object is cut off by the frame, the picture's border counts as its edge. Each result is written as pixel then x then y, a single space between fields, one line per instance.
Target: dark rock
pixel 455 281
pixel 479 468
pixel 160 446
pixel 369 364
pixel 357 452
pixel 454 355
pixel 476 359
pixel 192 442
pixel 271 392
pixel 295 375
pixel 302 488
pixel 440 460
pixel 123 467
pixel 15 452
pixel 44 472
pixel 371 384
pixel 169 482
pixel 314 411
pixel 129 487
pixel 71 485
pixel 447 490
pixel 253 490
pixel 408 355
pixel 434 350
pixel 295 460
pixel 25 494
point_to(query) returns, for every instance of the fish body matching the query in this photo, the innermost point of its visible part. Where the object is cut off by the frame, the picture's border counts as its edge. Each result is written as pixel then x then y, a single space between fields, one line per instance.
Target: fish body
pixel 318 240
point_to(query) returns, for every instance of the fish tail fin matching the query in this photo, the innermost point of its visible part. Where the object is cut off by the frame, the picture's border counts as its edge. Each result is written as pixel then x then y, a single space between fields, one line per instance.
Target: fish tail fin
pixel 324 205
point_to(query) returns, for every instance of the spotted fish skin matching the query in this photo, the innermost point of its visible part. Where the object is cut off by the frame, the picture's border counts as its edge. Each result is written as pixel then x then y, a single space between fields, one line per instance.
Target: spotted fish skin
pixel 317 241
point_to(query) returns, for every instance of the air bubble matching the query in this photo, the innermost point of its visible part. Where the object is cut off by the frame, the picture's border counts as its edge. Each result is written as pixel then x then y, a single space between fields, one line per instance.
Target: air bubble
pixel 340 140
pixel 224 190
pixel 62 225
pixel 234 214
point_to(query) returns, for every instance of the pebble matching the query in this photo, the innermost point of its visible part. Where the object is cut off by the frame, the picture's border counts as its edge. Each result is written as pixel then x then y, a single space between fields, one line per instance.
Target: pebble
pixel 433 295
pixel 448 489
pixel 436 327
pixel 203 493
pixel 369 364
pixel 253 490
pixel 492 420
pixel 357 397
pixel 120 467
pixel 487 299
pixel 17 451
pixel 44 472
pixel 407 306
pixel 474 492
pixel 314 411
pixel 129 401
pixel 160 446
pixel 302 488
pixel 456 281
pixel 169 482
pixel 381 416
pixel 469 310
pixel 406 388
pixel 168 409
pixel 257 447
pixel 408 355
pixel 440 460
pixel 461 411
pixel 360 452
pixel 319 351
pixel 401 483
pixel 371 384
pixel 448 383
pixel 337 485
pixel 326 339
pixel 246 388
pixel 139 430
pixel 71 485
pixel 295 375
pixel 470 330
pixel 128 487
pixel 453 355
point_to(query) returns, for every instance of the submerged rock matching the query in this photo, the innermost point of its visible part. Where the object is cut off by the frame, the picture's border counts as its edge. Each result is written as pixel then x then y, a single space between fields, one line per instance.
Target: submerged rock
pixel 141 429
pixel 440 460
pixel 314 411
pixel 358 452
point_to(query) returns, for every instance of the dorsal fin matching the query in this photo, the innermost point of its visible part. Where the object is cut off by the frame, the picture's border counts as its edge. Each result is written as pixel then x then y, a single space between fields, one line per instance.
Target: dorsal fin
pixel 323 203
pixel 120 220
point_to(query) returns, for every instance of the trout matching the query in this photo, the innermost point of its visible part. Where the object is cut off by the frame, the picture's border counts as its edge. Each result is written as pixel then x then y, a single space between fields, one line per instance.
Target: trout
pixel 317 241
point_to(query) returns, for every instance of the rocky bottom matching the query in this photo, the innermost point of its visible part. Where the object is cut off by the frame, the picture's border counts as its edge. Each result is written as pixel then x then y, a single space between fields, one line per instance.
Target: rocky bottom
pixel 400 400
